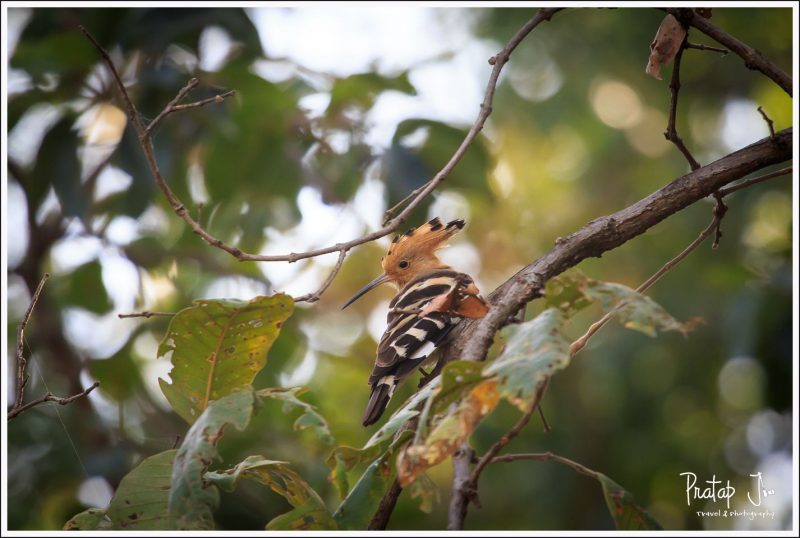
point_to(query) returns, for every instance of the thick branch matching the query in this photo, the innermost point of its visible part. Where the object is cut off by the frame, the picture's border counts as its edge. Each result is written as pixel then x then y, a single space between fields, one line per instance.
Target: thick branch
pixel 753 59
pixel 386 507
pixel 472 338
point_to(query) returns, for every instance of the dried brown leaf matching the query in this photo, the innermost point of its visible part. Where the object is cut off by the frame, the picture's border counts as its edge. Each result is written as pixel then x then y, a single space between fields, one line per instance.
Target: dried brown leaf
pixel 665 46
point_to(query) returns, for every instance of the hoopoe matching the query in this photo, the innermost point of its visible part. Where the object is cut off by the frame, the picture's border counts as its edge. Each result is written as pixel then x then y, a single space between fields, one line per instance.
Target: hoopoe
pixel 432 298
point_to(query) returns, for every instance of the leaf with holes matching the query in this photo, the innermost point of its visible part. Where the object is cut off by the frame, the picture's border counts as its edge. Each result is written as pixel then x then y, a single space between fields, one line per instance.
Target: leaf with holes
pixel 535 349
pixel 426 491
pixel 634 310
pixel 309 419
pixel 218 347
pixel 309 511
pixel 191 501
pixel 140 502
pixel 627 514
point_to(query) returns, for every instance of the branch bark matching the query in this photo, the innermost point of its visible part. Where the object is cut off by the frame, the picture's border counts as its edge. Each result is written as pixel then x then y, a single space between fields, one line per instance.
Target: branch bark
pixel 472 338
pixel 753 59
pixel 22 365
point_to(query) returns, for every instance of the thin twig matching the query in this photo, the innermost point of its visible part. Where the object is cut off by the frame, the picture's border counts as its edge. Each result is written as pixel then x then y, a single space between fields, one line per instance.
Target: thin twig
pixel 314 297
pixel 145 314
pixel 182 93
pixel 22 362
pixel 753 59
pixel 48 397
pixel 392 225
pixel 752 181
pixel 513 432
pixel 700 46
pixel 770 123
pixel 671 133
pixel 497 62
pixel 546 456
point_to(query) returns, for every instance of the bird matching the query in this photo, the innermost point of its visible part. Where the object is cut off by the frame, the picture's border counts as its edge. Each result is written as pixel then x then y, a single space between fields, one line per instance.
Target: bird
pixel 432 298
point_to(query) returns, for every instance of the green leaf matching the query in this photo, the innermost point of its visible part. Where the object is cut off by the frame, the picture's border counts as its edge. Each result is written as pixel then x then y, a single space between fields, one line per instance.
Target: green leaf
pixel 457 377
pixel 344 458
pixel 426 491
pixel 57 165
pixel 565 292
pixel 634 310
pixel 84 287
pixel 535 349
pixel 403 414
pixel 119 376
pixel 361 90
pixel 309 512
pixel 627 514
pixel 191 501
pixel 140 502
pixel 218 346
pixel 360 504
pixel 88 520
pixel 310 418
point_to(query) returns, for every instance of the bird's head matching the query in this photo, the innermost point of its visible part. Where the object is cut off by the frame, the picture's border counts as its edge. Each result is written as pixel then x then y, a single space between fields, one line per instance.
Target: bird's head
pixel 413 254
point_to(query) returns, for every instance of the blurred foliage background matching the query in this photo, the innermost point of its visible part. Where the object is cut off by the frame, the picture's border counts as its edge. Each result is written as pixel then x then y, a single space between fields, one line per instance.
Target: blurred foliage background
pixel 339 113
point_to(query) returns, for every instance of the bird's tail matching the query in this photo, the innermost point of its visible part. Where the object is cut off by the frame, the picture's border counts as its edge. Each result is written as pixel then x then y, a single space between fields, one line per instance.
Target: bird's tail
pixel 378 400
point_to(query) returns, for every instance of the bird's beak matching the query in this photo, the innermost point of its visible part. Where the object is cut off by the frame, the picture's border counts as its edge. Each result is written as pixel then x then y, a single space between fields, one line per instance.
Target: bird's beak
pixel 377 282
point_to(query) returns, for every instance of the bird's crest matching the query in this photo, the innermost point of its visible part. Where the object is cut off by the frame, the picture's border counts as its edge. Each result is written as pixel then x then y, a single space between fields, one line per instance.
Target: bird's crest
pixel 422 240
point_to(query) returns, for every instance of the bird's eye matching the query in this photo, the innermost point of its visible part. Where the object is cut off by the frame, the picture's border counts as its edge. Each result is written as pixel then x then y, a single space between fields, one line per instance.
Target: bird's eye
pixel 403 264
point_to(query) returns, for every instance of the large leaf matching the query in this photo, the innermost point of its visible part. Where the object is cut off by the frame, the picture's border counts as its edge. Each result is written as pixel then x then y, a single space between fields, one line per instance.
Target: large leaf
pixel 217 347
pixel 627 514
pixel 140 502
pixel 309 511
pixel 74 286
pixel 535 349
pixel 309 419
pixel 191 501
pixel 89 520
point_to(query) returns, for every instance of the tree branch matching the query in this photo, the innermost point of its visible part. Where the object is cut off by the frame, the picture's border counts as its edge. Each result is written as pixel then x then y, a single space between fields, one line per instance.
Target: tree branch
pixel 546 456
pixel 671 133
pixel 472 338
pixel 22 364
pixel 386 507
pixel 497 61
pixel 753 59
pixel 465 483
pixel 414 199
pixel 145 314
pixel 48 397
pixel 700 46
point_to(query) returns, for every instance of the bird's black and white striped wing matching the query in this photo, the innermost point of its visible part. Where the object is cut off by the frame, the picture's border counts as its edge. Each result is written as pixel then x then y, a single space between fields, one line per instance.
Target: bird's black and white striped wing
pixel 411 335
